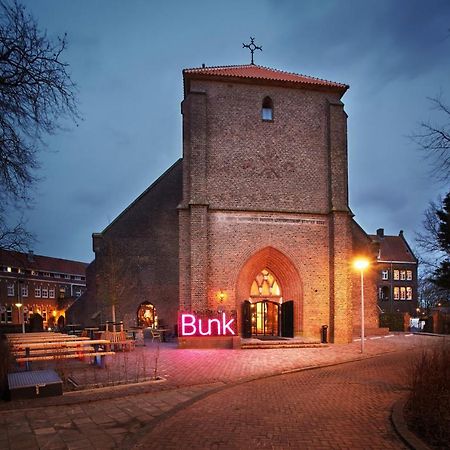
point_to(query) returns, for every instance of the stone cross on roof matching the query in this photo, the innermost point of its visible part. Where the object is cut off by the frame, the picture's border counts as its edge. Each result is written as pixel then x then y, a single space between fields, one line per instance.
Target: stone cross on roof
pixel 252 47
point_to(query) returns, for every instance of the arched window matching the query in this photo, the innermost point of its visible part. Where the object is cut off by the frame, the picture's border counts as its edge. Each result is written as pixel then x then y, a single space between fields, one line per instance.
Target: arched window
pixel 146 315
pixel 265 285
pixel 267 109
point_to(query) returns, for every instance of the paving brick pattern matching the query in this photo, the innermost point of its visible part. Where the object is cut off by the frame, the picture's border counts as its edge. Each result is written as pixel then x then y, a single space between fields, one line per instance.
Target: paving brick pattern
pixel 335 399
pixel 340 407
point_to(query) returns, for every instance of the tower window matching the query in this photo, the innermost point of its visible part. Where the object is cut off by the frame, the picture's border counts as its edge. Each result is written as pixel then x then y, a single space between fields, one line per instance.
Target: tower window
pixel 267 109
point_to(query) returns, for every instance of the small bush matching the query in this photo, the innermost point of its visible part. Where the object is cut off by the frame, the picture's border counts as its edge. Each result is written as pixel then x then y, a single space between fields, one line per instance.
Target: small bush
pixel 6 361
pixel 428 411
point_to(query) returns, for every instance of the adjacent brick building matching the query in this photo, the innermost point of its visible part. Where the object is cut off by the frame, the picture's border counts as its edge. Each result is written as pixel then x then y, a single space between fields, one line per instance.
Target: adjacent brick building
pixel 396 274
pixel 43 285
pixel 253 221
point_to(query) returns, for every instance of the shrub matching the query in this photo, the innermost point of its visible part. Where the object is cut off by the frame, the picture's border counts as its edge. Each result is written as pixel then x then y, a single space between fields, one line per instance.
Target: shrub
pixel 428 411
pixel 6 361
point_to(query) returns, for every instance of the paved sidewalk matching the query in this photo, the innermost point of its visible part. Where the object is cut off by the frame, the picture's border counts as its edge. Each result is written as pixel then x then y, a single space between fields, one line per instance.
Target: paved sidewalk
pixel 112 417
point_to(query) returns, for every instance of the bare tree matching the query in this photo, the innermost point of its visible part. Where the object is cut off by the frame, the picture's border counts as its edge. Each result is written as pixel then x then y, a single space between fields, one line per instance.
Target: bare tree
pixel 36 92
pixel 434 140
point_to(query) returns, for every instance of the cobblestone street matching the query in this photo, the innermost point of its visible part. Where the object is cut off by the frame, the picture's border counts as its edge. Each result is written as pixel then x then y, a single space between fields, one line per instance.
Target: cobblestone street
pixel 231 399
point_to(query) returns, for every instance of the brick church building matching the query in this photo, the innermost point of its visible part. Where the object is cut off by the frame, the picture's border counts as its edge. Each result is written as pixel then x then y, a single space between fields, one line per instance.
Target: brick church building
pixel 253 221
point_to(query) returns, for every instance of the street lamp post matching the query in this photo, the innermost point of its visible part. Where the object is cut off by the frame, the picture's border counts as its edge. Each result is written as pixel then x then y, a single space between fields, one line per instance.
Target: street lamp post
pixel 361 264
pixel 21 321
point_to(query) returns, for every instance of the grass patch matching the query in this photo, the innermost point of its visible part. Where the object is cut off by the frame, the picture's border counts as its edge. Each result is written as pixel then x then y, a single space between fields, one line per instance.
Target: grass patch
pixel 428 407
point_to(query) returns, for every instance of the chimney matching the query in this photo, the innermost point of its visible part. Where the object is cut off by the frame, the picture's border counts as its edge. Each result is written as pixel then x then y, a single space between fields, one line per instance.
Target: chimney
pixel 401 233
pixel 380 232
pixel 30 256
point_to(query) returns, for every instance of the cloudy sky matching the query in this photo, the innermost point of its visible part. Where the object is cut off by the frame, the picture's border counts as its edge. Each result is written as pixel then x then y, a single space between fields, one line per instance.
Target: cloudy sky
pixel 127 56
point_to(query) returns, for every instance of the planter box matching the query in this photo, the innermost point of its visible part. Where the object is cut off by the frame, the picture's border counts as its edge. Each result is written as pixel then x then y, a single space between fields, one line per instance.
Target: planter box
pixel 34 384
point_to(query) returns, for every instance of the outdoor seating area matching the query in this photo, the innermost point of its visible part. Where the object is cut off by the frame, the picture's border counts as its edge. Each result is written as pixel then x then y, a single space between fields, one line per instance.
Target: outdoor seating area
pixel 51 346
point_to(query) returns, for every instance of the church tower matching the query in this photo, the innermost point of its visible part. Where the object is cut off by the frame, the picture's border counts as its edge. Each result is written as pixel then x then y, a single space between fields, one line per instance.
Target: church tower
pixel 265 230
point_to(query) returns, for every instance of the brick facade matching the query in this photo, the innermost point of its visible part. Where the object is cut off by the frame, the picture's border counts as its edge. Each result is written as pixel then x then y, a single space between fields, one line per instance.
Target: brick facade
pixel 250 194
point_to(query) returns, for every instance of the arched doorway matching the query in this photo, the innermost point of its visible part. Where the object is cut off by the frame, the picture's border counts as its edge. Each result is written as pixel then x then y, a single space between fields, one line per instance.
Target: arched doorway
pixel 265 313
pixel 270 289
pixel 146 315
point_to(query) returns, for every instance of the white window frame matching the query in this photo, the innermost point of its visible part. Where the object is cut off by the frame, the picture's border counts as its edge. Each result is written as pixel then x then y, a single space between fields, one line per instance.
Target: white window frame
pixel 37 291
pixel 10 289
pixel 51 292
pixel 24 289
pixel 9 314
pixel 402 293
pixel 409 293
pixel 409 275
pixel 45 292
pixel 396 293
pixel 403 275
pixel 385 274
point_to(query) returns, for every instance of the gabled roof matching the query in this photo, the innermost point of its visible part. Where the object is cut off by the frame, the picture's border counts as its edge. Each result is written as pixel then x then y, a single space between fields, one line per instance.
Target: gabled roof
pixel 394 248
pixel 254 72
pixel 41 263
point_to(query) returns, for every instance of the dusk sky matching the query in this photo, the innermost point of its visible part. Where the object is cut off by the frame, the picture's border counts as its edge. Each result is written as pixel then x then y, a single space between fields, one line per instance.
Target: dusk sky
pixel 127 56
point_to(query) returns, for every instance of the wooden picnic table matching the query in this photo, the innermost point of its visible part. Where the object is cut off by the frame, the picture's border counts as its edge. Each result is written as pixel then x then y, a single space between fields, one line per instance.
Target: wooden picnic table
pixel 59 338
pixel 63 344
pixel 46 351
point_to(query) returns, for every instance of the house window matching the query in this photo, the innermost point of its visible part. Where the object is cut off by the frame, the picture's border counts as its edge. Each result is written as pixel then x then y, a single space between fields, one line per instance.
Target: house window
pixel 25 290
pixel 67 277
pixel 403 275
pixel 267 109
pixel 51 292
pixel 409 275
pixel 396 275
pixel 45 292
pixel 396 293
pixel 408 293
pixel 37 292
pixel 383 293
pixel 385 274
pixel 402 293
pixel 9 314
pixel 57 275
pixel 10 290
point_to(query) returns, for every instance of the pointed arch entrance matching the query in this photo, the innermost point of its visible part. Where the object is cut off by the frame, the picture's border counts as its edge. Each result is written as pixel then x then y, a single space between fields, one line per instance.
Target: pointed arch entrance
pixel 270 290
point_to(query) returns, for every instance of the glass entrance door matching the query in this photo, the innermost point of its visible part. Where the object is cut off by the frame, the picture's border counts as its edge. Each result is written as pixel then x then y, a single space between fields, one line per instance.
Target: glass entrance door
pixel 265 318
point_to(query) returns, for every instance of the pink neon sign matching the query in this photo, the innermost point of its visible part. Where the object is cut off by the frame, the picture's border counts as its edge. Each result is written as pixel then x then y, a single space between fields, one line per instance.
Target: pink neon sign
pixel 192 325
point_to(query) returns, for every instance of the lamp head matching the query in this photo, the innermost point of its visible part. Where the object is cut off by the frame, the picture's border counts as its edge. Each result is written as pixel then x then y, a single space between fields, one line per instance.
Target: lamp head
pixel 361 263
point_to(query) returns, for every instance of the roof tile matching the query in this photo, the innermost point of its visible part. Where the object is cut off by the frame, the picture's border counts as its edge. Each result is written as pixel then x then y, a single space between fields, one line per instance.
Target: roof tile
pixel 252 71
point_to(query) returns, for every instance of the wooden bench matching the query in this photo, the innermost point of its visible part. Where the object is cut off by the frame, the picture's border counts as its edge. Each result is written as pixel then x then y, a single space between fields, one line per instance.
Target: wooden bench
pixel 118 340
pixel 54 351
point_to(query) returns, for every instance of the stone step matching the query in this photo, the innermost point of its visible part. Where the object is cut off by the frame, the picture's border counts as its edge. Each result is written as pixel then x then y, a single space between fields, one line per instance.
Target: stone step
pixel 281 344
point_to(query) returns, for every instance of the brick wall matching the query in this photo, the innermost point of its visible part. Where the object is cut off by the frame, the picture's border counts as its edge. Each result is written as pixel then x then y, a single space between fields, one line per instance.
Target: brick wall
pixel 136 257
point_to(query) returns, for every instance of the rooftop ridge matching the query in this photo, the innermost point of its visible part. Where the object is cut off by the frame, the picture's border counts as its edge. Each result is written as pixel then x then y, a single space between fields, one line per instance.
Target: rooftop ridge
pixel 306 78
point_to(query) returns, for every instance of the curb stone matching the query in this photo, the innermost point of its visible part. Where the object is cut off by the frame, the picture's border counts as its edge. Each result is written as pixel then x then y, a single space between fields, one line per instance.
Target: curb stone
pixel 400 426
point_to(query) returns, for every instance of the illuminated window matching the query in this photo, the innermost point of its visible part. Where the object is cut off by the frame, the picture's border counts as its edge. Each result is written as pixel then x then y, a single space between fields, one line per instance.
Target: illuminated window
pixel 402 293
pixel 402 274
pixel 10 290
pixel 409 275
pixel 396 293
pixel 146 315
pixel 385 274
pixel 267 109
pixel 265 285
pixel 396 275
pixel 409 293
